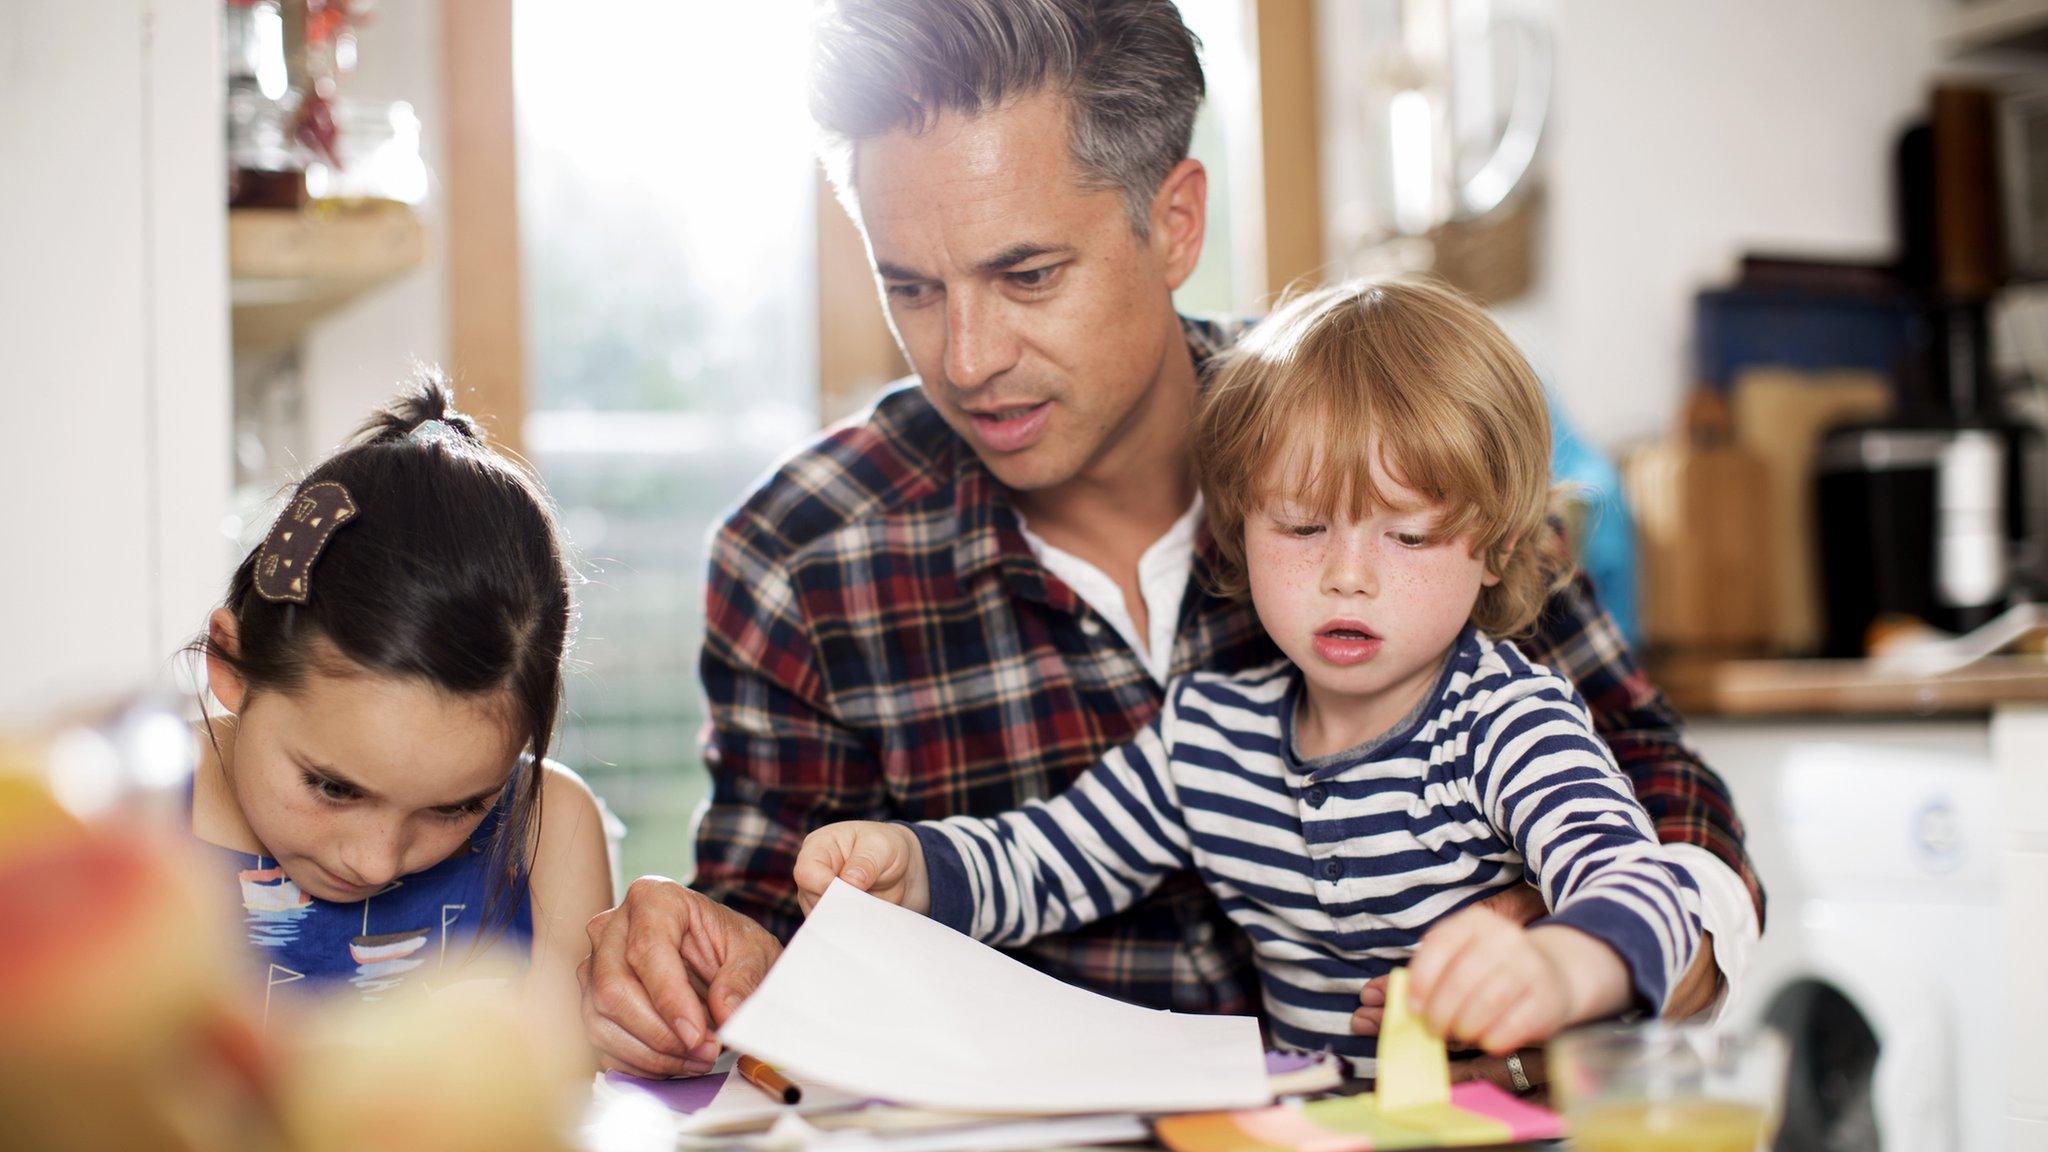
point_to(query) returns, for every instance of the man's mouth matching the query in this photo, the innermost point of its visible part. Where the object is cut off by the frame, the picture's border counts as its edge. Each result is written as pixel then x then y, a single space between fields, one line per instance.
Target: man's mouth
pixel 1005 414
pixel 1011 428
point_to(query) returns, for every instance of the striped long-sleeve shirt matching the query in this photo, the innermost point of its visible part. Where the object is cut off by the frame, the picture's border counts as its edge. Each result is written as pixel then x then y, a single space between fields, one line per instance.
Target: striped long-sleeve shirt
pixel 1336 867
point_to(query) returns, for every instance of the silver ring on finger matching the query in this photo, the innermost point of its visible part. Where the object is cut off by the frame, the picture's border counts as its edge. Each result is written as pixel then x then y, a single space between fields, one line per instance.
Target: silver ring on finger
pixel 1516 1074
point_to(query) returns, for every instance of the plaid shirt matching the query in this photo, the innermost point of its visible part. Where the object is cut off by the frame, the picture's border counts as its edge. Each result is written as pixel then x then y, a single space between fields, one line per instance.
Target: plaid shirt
pixel 881 644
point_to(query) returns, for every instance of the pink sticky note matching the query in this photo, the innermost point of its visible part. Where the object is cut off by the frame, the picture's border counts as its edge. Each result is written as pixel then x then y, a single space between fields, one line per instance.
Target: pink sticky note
pixel 1525 1120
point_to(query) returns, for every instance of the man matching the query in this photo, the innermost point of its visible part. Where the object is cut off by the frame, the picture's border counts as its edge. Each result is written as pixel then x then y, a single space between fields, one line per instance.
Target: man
pixel 960 600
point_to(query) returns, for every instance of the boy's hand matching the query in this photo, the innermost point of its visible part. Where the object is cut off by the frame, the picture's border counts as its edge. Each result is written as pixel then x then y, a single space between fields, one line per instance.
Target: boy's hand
pixel 1520 903
pixel 1482 978
pixel 883 860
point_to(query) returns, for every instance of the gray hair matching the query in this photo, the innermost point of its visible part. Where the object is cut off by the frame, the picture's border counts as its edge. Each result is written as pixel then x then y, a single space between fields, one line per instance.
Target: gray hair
pixel 1128 69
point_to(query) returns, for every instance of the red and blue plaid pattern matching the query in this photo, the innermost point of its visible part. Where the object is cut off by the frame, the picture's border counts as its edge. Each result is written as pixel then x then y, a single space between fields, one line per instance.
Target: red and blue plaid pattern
pixel 881 644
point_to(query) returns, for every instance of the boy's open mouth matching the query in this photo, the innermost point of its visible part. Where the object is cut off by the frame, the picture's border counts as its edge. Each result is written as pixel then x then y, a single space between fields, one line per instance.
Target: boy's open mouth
pixel 1343 643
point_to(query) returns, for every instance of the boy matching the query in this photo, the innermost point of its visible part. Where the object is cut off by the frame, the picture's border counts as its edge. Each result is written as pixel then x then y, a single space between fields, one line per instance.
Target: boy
pixel 1373 459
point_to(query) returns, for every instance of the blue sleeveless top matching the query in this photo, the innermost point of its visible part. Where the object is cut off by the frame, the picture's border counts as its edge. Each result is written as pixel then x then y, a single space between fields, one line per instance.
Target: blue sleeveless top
pixel 411 931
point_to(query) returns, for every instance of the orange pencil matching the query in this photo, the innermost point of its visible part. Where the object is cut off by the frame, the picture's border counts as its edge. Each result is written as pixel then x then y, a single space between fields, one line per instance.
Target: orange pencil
pixel 769 1080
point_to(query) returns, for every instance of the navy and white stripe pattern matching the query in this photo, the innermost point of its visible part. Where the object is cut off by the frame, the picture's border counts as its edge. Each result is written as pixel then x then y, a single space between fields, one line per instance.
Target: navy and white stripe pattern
pixel 1335 873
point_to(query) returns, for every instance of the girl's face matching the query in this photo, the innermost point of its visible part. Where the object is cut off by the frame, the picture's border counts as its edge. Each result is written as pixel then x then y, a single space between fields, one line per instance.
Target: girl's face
pixel 354 780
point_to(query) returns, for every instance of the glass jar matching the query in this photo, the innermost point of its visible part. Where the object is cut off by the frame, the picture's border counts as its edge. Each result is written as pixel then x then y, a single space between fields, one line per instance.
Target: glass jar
pixel 376 156
pixel 265 166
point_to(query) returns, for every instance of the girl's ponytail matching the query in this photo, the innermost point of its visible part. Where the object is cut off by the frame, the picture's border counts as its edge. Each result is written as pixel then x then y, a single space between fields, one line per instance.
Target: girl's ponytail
pixel 426 399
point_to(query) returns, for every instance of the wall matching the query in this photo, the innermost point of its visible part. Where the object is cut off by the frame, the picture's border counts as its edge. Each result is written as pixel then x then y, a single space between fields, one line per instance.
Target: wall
pixel 1680 136
pixel 1688 133
pixel 113 316
pixel 353 360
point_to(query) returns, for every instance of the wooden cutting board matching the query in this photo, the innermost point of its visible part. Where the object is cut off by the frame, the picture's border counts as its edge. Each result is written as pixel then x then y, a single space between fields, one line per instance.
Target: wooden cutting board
pixel 1780 416
pixel 1702 509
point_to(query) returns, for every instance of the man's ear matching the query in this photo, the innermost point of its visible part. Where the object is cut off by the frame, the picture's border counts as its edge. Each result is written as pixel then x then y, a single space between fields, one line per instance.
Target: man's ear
pixel 222 679
pixel 1180 219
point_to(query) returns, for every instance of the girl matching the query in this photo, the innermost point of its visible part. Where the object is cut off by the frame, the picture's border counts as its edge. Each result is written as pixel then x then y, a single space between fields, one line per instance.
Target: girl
pixel 1374 461
pixel 389 660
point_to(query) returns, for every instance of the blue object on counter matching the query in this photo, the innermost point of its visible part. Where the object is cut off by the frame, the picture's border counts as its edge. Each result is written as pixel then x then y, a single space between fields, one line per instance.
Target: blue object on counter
pixel 1741 327
pixel 1607 544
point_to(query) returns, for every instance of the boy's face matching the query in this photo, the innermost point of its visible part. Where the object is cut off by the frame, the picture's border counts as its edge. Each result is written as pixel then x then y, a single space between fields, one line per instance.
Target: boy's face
pixel 1365 608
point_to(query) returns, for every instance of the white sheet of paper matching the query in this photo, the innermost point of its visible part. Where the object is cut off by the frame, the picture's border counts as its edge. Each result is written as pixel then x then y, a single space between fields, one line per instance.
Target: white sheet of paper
pixel 880 1001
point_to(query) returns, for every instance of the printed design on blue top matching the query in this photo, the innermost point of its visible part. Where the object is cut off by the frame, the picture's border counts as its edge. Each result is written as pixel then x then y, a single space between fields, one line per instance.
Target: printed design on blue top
pixel 274 904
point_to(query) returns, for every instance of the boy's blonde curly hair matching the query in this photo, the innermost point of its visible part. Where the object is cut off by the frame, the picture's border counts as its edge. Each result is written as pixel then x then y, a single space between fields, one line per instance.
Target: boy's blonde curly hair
pixel 1419 374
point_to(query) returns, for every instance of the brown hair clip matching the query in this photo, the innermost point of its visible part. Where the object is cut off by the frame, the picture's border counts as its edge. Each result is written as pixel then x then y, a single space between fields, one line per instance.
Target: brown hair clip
pixel 284 569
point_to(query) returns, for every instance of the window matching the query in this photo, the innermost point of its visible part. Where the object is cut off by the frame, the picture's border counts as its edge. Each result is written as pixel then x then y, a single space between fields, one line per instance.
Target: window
pixel 668 233
pixel 666 208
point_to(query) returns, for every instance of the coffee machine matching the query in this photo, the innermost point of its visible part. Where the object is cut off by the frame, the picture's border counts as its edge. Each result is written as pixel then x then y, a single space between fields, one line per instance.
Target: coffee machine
pixel 1919 521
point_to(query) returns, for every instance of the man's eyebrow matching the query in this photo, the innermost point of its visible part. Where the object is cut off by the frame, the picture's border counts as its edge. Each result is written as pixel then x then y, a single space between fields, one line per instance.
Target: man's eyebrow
pixel 1017 254
pixel 1008 258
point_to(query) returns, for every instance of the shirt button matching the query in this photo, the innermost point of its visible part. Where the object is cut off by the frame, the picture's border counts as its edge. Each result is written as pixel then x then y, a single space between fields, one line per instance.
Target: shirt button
pixel 1332 870
pixel 1091 626
pixel 1315 797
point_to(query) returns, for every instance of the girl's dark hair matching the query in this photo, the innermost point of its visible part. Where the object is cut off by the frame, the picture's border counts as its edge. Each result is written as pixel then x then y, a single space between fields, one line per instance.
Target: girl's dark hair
pixel 453 575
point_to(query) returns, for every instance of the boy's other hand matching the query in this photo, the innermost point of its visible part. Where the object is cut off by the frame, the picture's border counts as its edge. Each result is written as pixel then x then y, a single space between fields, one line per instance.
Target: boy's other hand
pixel 883 860
pixel 1481 978
pixel 1521 903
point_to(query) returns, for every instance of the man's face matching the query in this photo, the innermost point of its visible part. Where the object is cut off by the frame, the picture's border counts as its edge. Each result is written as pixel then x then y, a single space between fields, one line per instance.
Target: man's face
pixel 1037 318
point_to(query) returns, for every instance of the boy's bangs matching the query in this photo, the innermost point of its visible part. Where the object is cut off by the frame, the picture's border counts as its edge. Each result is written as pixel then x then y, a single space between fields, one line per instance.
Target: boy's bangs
pixel 1328 473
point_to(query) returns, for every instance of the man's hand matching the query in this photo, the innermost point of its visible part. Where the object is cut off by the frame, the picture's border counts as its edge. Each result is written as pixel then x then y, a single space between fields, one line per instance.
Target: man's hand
pixel 666 968
pixel 883 860
pixel 1699 987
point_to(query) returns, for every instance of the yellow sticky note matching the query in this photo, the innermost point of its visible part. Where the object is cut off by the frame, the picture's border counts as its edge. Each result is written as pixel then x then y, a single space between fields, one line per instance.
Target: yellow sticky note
pixel 1413 1068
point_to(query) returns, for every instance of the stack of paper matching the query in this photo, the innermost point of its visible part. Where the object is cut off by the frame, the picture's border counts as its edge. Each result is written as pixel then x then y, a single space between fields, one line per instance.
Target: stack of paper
pixel 726 1113
pixel 879 1001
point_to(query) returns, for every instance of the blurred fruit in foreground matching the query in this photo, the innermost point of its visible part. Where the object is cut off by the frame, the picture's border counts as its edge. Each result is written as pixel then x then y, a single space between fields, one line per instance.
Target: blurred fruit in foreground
pixel 462 1068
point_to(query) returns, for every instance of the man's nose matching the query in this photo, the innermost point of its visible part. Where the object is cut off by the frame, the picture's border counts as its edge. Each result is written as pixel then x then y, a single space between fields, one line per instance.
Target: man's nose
pixel 979 342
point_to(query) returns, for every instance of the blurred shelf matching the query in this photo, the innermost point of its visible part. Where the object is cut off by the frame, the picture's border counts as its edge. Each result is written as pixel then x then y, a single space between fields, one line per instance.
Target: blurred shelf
pixel 288 268
pixel 1757 687
pixel 1995 26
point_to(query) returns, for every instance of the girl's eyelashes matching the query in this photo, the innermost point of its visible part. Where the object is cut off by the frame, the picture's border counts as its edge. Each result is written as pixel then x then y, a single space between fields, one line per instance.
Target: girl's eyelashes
pixel 332 791
pixel 1411 539
pixel 466 810
pixel 337 793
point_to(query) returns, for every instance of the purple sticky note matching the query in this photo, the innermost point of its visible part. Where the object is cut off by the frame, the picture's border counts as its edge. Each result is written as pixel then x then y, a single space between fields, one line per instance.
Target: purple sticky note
pixel 684 1096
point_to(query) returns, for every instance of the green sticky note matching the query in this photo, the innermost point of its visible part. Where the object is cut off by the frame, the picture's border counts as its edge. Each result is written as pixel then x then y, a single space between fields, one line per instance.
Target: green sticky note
pixel 1414 1071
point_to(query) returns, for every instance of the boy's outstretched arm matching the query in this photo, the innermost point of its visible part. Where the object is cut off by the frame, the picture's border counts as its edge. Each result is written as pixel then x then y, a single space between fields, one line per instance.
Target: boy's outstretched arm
pixel 1055 865
pixel 1549 785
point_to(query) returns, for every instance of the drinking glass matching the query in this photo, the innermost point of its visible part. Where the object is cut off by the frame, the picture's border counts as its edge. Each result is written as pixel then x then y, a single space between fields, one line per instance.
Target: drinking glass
pixel 1661 1087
